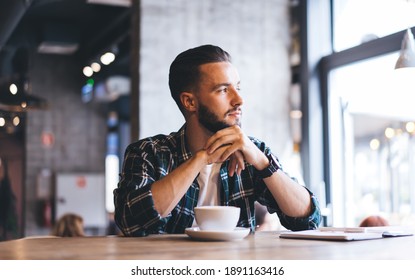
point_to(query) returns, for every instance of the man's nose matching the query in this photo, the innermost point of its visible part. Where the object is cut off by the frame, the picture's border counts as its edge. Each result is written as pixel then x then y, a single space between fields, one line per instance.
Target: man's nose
pixel 237 99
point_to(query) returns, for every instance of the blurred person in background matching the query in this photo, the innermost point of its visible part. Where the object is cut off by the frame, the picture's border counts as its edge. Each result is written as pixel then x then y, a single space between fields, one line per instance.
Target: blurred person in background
pixel 374 221
pixel 69 225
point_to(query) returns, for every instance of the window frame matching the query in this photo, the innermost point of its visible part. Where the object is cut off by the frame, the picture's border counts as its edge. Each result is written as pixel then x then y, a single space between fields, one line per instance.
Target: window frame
pixel 371 49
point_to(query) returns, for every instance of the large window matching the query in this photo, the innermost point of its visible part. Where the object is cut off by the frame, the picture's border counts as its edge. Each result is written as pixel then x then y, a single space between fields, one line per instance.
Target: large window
pixel 370 123
pixel 357 21
pixel 372 141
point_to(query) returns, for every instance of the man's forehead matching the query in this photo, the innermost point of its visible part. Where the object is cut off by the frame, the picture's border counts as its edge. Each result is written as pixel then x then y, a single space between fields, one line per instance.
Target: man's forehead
pixel 219 72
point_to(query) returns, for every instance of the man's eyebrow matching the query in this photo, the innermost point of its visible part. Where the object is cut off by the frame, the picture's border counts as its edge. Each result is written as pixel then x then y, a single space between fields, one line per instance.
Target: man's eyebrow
pixel 217 86
pixel 221 85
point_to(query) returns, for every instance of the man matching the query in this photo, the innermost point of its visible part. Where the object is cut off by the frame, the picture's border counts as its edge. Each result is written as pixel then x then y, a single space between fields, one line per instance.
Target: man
pixel 209 161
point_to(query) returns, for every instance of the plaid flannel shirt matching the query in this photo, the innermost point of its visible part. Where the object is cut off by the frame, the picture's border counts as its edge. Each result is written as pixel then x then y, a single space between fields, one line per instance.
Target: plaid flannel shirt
pixel 150 159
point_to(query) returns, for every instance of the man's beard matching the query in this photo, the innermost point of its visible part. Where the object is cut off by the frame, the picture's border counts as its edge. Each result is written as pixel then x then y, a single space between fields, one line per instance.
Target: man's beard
pixel 210 121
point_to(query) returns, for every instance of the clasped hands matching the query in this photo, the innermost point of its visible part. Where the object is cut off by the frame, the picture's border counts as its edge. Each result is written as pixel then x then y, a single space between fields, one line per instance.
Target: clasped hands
pixel 232 143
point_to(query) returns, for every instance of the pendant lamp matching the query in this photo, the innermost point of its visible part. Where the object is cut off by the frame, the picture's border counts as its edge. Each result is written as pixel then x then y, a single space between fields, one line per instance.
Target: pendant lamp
pixel 407 55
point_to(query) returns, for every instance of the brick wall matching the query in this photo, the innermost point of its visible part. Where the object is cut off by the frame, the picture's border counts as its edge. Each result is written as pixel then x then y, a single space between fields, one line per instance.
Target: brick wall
pixel 79 129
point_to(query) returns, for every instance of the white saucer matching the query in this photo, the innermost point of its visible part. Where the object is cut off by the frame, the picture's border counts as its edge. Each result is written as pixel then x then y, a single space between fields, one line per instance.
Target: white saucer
pixel 237 233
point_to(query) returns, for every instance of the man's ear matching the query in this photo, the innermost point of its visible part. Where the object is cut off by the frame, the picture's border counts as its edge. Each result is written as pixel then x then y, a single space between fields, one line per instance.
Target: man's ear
pixel 188 101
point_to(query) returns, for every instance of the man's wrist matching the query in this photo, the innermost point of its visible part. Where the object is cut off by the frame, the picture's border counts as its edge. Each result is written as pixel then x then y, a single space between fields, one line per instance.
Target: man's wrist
pixel 202 157
pixel 262 163
pixel 272 167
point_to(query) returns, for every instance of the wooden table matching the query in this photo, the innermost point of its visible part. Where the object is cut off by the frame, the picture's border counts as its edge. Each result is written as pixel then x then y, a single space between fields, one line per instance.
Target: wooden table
pixel 260 246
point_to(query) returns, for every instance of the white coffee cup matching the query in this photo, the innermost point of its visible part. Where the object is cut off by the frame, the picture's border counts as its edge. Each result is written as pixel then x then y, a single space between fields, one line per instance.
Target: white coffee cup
pixel 220 218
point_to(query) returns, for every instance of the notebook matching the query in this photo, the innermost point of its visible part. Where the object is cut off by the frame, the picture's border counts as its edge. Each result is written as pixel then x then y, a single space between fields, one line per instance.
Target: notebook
pixel 347 234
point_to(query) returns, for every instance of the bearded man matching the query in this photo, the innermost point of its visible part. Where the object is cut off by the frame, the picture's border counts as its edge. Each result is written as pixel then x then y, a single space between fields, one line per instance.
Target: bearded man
pixel 209 161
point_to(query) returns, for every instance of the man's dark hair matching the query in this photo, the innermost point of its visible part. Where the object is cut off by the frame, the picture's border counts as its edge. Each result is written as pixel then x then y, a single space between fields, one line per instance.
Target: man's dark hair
pixel 184 71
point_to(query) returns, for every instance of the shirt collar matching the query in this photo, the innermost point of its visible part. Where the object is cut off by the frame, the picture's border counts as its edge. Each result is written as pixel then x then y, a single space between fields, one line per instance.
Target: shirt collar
pixel 183 152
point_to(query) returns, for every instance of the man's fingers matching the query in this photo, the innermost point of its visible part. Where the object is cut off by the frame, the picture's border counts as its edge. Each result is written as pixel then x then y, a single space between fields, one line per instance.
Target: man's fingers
pixel 232 167
pixel 222 142
pixel 240 160
pixel 225 136
pixel 236 164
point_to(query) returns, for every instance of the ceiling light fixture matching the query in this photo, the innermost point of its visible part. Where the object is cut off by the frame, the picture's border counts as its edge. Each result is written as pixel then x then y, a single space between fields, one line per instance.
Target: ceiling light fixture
pixel 407 56
pixel 21 100
pixel 96 67
pixel 107 58
pixel 123 3
pixel 88 72
pixel 13 89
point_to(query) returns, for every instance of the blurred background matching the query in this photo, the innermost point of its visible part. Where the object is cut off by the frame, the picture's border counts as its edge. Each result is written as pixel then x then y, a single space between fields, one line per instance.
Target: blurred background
pixel 81 79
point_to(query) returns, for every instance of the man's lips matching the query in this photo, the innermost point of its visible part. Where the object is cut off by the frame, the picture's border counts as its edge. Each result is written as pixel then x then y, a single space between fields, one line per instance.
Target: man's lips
pixel 237 113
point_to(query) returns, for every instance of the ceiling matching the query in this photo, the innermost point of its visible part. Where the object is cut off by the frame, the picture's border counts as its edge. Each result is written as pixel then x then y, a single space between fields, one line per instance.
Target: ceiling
pixel 80 28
